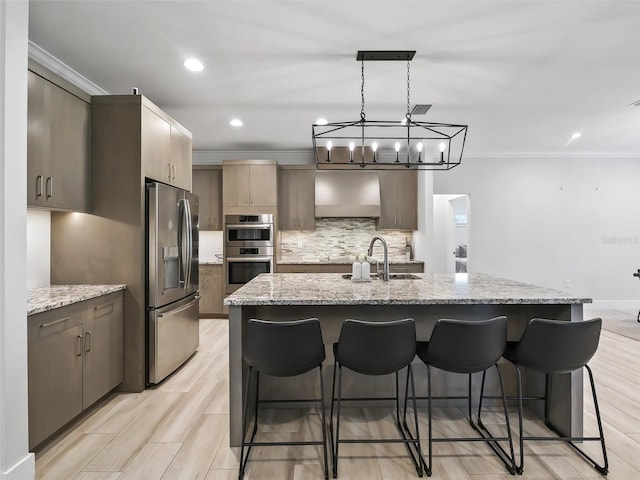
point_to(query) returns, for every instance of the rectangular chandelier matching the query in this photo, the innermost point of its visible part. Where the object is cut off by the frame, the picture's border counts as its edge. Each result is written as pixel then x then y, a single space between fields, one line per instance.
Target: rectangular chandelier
pixel 383 145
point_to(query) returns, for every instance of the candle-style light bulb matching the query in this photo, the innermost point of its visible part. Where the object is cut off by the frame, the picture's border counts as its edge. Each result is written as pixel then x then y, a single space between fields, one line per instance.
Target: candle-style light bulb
pixel 351 147
pixel 397 151
pixel 442 148
pixel 374 147
pixel 329 145
pixel 419 147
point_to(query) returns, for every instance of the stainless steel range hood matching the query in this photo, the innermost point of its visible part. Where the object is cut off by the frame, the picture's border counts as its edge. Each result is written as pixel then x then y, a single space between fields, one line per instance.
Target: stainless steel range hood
pixel 347 194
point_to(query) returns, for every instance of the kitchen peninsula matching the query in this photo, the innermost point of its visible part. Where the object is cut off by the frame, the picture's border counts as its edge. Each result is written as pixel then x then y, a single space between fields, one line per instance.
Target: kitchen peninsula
pixel 332 299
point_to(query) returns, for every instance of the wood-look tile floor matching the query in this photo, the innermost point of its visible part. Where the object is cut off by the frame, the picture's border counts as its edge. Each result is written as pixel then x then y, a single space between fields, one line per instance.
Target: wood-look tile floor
pixel 179 430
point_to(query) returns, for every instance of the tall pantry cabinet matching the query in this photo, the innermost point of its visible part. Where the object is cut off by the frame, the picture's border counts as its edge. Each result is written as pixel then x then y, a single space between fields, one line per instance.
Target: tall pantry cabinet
pixel 131 140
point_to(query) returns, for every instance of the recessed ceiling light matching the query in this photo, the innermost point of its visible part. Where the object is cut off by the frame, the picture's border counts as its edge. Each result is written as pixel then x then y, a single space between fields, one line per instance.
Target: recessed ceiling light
pixel 236 122
pixel 576 135
pixel 193 64
pixel 321 121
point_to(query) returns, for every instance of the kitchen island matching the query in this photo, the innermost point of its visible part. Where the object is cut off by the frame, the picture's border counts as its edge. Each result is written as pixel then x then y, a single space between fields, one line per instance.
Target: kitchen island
pixel 332 299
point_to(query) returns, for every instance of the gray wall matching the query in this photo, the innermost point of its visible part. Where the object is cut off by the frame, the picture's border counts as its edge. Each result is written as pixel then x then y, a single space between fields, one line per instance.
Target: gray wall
pixel 554 222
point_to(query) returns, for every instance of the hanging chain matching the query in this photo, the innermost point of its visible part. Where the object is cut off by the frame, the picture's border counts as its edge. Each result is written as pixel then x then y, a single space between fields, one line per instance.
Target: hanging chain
pixel 362 93
pixel 408 92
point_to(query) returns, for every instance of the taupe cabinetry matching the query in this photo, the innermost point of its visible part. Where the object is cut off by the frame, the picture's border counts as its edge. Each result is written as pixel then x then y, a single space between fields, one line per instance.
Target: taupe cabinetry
pixel 251 183
pixel 398 200
pixel 210 289
pixel 75 356
pixel 58 147
pixel 166 149
pixel 296 199
pixel 207 184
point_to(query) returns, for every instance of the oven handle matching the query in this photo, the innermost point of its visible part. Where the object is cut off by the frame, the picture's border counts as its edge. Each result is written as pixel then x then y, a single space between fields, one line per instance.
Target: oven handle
pixel 262 226
pixel 249 259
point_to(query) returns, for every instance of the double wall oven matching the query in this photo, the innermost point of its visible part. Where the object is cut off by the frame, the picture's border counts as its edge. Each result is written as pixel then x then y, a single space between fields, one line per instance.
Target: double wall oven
pixel 248 248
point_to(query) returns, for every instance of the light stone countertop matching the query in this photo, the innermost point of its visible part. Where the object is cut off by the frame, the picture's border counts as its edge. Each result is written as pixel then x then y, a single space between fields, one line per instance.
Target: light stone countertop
pixel 43 299
pixel 430 289
pixel 211 261
pixel 345 261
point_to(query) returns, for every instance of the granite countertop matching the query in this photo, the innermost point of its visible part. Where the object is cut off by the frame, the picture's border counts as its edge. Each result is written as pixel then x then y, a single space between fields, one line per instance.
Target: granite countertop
pixel 430 289
pixel 43 299
pixel 210 261
pixel 340 261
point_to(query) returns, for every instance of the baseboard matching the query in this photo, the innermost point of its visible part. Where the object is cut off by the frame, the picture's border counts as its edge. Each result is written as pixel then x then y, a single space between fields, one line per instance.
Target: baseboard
pixel 614 304
pixel 25 469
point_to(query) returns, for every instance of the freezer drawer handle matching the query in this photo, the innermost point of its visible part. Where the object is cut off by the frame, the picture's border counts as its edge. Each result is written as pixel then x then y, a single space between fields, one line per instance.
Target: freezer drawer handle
pixel 173 312
pixel 45 325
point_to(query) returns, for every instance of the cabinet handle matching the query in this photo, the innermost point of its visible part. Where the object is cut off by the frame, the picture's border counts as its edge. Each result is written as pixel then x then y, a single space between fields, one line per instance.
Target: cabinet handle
pixel 399 220
pixel 173 168
pixel 87 337
pixel 100 307
pixel 45 325
pixel 169 171
pixel 39 186
pixel 49 187
pixel 79 343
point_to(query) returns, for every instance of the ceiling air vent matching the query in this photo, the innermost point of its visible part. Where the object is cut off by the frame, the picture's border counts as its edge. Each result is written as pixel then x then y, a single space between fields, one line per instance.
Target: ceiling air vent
pixel 420 109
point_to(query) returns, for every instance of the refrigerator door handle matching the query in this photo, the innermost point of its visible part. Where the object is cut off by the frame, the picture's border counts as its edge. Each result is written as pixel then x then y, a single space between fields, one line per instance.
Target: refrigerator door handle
pixel 182 229
pixel 187 282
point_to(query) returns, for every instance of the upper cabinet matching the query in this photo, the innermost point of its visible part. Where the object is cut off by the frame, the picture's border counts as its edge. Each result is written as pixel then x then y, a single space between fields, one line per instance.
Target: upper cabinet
pixel 398 200
pixel 296 199
pixel 251 183
pixel 166 149
pixel 58 147
pixel 207 184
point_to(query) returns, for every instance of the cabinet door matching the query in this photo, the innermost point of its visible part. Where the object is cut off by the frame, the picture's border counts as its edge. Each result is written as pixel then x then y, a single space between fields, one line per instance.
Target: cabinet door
pixel 216 289
pixel 205 290
pixel 296 199
pixel 216 199
pixel 388 206
pixel 263 185
pixel 235 186
pixel 103 347
pixel 67 171
pixel 181 153
pixel 203 188
pixel 37 139
pixel 55 372
pixel 155 145
pixel 406 200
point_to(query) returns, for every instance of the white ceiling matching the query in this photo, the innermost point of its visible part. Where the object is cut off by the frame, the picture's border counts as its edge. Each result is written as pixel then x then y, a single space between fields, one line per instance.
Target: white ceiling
pixel 524 75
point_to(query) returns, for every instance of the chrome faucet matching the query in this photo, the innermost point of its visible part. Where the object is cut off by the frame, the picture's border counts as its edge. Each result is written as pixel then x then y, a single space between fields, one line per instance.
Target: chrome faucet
pixel 385 272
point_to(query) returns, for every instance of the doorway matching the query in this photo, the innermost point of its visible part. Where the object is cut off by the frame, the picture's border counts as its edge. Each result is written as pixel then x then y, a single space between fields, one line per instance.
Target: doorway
pixel 451 215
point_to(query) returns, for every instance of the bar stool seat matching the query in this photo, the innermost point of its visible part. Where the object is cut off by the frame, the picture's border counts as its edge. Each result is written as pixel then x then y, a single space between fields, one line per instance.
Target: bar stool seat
pixel 552 347
pixel 467 347
pixel 376 348
pixel 281 349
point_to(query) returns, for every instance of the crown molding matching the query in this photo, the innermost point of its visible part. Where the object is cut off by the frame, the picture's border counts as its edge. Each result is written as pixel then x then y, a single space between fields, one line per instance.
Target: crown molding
pixel 552 155
pixel 51 63
pixel 302 156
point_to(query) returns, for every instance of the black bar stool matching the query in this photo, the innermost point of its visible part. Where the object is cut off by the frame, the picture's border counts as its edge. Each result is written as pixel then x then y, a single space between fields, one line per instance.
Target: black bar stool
pixel 468 347
pixel 376 348
pixel 552 346
pixel 282 349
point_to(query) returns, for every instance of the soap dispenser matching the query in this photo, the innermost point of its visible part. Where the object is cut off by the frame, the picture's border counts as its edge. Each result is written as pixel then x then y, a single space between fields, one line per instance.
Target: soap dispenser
pixel 356 269
pixel 365 270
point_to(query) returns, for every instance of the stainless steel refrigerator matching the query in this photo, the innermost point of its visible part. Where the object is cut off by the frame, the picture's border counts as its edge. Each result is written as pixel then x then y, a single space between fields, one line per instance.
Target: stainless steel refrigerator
pixel 172 279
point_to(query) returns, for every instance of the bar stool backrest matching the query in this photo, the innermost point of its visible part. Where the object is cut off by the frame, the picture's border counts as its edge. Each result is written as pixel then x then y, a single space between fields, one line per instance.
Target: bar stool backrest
pixel 284 349
pixel 555 346
pixel 377 348
pixel 467 346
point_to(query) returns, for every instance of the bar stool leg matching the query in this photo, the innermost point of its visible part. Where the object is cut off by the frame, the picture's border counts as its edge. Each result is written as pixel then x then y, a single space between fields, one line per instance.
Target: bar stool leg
pixel 429 412
pixel 337 439
pixel 243 460
pixel 324 424
pixel 418 448
pixel 520 468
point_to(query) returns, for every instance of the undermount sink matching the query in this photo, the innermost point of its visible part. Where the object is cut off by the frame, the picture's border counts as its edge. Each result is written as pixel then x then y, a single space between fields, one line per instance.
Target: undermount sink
pixel 392 276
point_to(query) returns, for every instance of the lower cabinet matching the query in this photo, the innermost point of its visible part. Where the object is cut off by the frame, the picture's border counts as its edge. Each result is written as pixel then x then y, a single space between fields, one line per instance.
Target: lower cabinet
pixel 211 290
pixel 75 356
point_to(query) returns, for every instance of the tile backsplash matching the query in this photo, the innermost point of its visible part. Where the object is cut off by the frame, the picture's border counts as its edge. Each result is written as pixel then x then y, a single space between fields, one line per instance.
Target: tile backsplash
pixel 341 239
